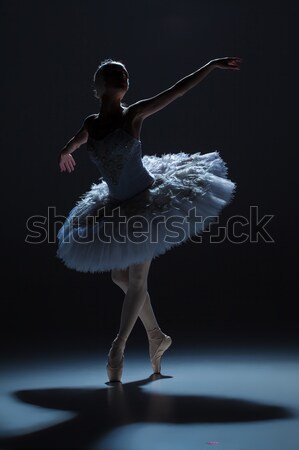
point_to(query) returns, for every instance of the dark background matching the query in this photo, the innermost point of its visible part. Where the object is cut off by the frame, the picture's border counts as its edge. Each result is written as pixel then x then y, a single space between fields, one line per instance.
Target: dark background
pixel 50 50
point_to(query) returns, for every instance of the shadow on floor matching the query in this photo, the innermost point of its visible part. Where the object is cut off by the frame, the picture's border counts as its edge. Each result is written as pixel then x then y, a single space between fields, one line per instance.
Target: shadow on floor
pixel 99 411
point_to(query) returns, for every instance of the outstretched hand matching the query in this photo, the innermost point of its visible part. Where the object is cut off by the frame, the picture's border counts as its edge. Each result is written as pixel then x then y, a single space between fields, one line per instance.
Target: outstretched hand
pixel 227 63
pixel 66 162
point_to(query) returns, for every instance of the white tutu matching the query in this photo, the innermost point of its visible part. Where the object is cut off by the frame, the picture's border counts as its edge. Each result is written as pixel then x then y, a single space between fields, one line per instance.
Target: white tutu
pixel 188 193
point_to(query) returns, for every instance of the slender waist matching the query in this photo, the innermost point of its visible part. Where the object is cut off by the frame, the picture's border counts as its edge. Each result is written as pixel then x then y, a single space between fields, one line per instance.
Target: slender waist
pixel 114 197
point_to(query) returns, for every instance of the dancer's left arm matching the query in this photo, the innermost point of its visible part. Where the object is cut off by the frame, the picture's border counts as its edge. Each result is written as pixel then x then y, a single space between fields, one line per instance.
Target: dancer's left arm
pixel 149 106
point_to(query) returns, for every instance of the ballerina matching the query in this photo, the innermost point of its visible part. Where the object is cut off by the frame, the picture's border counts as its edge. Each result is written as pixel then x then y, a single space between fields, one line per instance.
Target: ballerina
pixel 138 189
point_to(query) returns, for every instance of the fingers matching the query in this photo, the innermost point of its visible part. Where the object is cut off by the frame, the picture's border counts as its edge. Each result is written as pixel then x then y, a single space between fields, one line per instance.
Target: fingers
pixel 234 63
pixel 67 163
pixel 70 165
pixel 229 62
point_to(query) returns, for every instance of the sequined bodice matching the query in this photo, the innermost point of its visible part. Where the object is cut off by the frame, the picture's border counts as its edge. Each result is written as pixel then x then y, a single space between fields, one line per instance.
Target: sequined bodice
pixel 118 157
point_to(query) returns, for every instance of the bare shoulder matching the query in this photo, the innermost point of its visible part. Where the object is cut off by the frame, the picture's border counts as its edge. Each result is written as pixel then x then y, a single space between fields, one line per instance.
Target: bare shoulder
pixel 132 120
pixel 90 119
pixel 132 113
pixel 132 110
pixel 89 122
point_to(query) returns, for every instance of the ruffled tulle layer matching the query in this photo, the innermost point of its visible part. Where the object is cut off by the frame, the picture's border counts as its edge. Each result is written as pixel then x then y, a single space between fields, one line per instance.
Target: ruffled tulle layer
pixel 188 193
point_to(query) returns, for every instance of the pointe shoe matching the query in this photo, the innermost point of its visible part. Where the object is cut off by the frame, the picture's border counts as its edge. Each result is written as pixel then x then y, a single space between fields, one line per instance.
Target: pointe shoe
pixel 114 373
pixel 158 344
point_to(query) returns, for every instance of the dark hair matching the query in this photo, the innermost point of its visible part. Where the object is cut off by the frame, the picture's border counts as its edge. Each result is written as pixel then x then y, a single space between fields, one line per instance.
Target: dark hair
pixel 98 79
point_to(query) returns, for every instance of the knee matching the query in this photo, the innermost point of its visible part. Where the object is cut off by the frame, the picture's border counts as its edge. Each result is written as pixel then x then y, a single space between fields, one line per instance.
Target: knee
pixel 138 283
pixel 120 278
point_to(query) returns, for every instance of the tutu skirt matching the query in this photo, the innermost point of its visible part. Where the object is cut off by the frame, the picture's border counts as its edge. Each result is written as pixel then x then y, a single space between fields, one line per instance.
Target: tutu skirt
pixel 188 193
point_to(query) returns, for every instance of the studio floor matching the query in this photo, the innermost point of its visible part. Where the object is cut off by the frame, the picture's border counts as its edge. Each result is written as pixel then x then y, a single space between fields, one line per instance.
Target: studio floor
pixel 222 398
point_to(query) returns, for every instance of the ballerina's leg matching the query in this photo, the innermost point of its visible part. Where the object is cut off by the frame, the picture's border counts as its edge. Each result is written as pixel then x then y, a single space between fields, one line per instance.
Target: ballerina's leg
pixel 158 341
pixel 135 297
pixel 146 314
